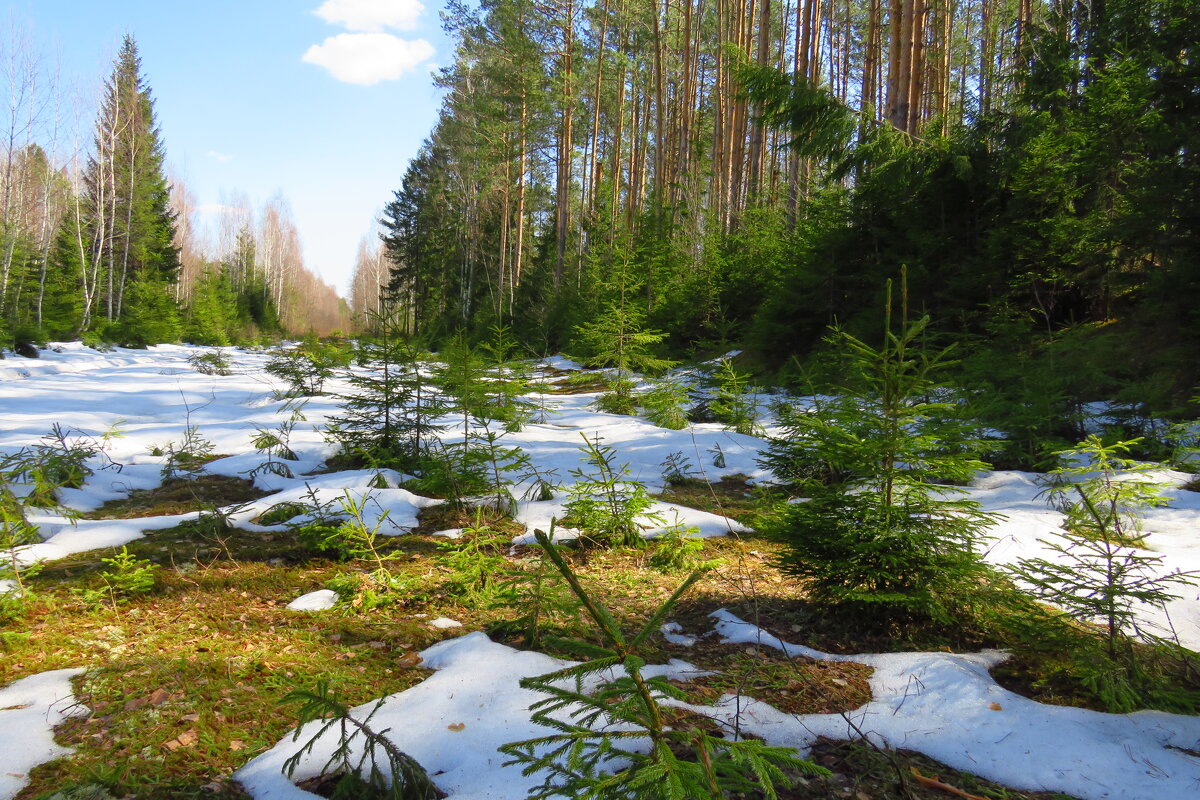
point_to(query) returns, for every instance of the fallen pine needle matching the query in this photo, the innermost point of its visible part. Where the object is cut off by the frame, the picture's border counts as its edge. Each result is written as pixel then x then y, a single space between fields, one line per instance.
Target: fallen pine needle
pixel 945 787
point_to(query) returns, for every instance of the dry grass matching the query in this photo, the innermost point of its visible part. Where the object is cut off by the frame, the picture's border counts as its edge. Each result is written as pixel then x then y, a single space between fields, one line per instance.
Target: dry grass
pixel 184 684
pixel 179 496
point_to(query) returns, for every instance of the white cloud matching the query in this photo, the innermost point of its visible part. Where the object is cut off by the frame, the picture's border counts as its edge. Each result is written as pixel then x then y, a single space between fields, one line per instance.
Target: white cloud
pixel 222 157
pixel 371 15
pixel 368 58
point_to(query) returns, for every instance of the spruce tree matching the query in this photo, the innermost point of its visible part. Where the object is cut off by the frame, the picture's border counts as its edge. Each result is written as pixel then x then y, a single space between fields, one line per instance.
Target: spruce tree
pixel 388 418
pixel 211 314
pixel 884 533
pixel 131 227
pixel 618 338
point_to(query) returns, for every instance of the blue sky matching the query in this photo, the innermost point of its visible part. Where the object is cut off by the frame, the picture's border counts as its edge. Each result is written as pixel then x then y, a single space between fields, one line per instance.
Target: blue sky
pixel 322 100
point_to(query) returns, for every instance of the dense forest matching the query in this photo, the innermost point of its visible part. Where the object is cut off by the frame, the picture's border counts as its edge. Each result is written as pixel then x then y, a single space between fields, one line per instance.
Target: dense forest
pixel 743 174
pixel 96 240
pixel 822 373
pixel 753 172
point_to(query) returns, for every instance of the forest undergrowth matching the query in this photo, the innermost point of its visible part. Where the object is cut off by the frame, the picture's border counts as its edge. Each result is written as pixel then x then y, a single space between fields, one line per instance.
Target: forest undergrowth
pixel 190 649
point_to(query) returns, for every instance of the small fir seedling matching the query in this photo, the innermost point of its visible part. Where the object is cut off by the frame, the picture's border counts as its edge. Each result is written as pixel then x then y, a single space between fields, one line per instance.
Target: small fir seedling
pixel 499 462
pixel 1098 573
pixel 508 381
pixel 388 416
pixel 614 740
pixel 213 362
pixel 1102 491
pixel 63 458
pixel 368 764
pixel 541 598
pixel 186 458
pixel 734 403
pixel 130 576
pixel 718 455
pixel 43 469
pixel 540 484
pixel 617 337
pixel 281 512
pixel 463 379
pixel 379 588
pixel 677 468
pixel 666 404
pixel 884 535
pixel 1183 439
pixel 604 503
pixel 347 535
pixel 476 563
pixel 16 532
pixel 305 368
pixel 275 443
pixel 678 549
pixel 213 524
pixel 127 577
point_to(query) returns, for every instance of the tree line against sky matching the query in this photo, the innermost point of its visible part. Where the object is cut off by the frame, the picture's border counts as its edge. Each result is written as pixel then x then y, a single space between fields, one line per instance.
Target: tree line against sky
pixel 755 171
pixel 98 240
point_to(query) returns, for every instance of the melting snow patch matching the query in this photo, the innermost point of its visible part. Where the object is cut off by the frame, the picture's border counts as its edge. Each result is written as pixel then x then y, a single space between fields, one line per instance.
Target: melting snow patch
pixel 29 710
pixel 948 707
pixel 320 600
pixel 451 723
pixel 673 633
pixel 445 622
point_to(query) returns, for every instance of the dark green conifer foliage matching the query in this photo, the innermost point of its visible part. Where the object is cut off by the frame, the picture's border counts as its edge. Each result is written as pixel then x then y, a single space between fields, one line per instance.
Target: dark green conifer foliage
pixel 149 315
pixel 387 420
pixel 595 751
pixel 508 379
pixel 734 403
pixel 882 533
pixel 605 502
pixel 210 318
pixel 1101 573
pixel 665 404
pixel 618 338
pixel 62 305
pixel 131 227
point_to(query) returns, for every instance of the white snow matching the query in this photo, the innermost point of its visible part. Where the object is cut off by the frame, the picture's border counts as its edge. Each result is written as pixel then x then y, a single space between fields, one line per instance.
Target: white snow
pixel 673 632
pixel 1171 535
pixel 452 723
pixel 948 707
pixel 320 600
pixel 944 705
pixel 938 703
pixel 445 622
pixel 153 395
pixel 29 710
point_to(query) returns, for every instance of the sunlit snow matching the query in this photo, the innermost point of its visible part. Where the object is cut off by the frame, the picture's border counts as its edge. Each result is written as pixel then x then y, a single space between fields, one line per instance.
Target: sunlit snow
pixel 944 705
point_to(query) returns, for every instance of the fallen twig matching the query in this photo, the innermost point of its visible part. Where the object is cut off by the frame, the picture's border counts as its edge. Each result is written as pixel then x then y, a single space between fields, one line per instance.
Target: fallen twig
pixel 945 787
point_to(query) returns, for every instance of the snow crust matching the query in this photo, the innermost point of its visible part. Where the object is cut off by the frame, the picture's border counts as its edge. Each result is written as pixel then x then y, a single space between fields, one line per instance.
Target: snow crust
pixel 30 708
pixel 941 704
pixel 451 723
pixel 944 705
pixel 320 600
pixel 948 707
pixel 152 395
